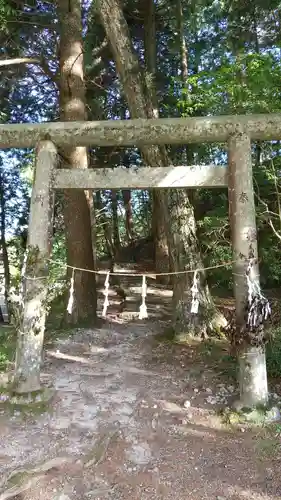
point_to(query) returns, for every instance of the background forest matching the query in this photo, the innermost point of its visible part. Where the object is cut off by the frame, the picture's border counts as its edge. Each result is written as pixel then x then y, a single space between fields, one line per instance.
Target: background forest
pixel 185 59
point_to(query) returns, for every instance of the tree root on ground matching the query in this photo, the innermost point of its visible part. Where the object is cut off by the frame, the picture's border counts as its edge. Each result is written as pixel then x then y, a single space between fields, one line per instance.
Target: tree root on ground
pixel 27 477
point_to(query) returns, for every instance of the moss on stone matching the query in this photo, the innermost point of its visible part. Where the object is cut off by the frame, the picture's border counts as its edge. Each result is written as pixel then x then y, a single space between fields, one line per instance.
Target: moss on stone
pixel 33 402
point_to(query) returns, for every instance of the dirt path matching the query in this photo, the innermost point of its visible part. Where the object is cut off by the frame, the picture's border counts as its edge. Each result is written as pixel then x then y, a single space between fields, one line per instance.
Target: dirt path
pixel 119 428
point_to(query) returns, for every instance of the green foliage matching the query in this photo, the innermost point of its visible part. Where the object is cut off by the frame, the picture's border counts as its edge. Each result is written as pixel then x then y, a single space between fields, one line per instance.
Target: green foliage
pixel 7 346
pixel 273 355
pixel 246 84
pixel 7 13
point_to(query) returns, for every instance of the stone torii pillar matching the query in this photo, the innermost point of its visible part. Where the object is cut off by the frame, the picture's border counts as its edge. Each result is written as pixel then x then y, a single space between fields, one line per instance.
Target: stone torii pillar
pixel 33 317
pixel 252 363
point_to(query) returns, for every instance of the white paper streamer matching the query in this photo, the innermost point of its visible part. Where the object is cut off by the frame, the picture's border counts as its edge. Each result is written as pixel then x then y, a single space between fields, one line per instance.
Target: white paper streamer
pixel 143 309
pixel 195 295
pixel 105 293
pixel 71 293
pixel 259 308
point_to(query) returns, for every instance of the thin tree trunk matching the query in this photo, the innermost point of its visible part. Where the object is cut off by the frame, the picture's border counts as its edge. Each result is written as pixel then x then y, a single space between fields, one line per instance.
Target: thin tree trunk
pixel 93 226
pixel 188 156
pixel 105 224
pixel 126 193
pixel 183 47
pixel 140 102
pixel 257 49
pixel 5 256
pixel 115 223
pixel 76 207
pixel 127 198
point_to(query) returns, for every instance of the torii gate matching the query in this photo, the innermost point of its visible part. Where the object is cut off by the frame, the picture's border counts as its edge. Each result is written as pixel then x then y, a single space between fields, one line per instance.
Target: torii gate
pixel 237 131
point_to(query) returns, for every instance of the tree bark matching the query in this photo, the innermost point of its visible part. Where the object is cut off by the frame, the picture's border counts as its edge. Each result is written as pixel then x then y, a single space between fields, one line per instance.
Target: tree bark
pixel 5 255
pixel 93 225
pixel 188 150
pixel 159 234
pixel 159 198
pixel 183 47
pixel 76 203
pixel 115 223
pixel 105 224
pixel 186 257
pixel 126 193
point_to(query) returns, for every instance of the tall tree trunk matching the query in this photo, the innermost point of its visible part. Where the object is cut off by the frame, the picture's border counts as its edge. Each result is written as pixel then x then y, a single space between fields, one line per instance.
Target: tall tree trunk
pixel 184 233
pixel 140 102
pixel 115 224
pixel 257 49
pixel 5 256
pixel 93 226
pixel 183 47
pixel 188 156
pixel 159 197
pixel 76 203
pixel 205 320
pixel 105 224
pixel 146 201
pixel 126 193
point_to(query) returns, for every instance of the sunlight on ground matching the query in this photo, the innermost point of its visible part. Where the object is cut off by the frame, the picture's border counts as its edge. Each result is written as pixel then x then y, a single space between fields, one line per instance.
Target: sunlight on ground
pixel 152 291
pixel 186 430
pixel 94 349
pixel 69 357
pixel 249 494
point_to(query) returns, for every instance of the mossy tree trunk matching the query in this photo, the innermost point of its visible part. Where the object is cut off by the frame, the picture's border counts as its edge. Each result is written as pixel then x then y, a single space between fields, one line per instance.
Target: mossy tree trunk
pixel 186 257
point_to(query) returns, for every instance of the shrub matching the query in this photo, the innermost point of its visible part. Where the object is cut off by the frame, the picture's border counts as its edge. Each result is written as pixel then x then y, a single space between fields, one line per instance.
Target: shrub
pixel 273 355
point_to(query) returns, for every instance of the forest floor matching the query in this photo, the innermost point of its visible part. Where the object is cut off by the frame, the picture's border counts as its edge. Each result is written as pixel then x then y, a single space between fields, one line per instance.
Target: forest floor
pixel 137 417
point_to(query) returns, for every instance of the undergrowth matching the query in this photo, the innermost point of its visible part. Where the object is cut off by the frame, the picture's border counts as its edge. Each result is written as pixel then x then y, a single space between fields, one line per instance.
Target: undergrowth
pixel 268 442
pixel 7 346
pixel 273 354
pixel 217 353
